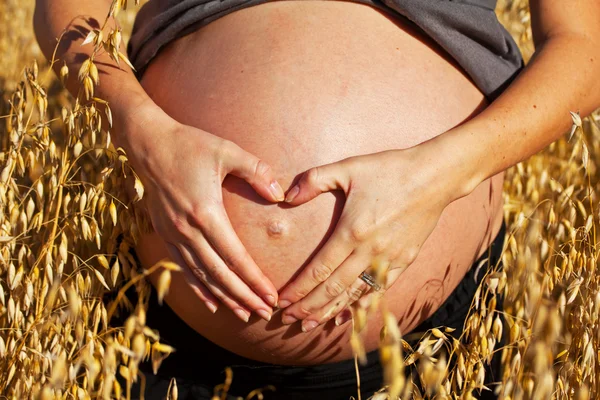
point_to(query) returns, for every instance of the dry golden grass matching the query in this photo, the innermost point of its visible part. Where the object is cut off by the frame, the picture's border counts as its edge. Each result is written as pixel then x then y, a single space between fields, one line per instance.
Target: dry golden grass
pixel 66 231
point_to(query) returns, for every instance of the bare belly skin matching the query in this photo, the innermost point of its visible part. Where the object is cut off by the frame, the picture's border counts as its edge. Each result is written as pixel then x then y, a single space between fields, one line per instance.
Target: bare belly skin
pixel 301 84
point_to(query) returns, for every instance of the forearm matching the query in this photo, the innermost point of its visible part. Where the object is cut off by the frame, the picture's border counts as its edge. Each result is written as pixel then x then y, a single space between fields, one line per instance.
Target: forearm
pixel 563 76
pixel 70 21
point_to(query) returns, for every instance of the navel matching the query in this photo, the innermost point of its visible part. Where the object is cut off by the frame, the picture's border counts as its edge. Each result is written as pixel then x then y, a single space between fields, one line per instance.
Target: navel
pixel 276 228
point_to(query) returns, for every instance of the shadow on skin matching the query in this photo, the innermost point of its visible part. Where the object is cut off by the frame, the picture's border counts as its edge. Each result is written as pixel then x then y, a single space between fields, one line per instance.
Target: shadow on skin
pixel 415 313
pixel 76 32
pixel 417 316
pixel 241 188
pixel 294 329
pixel 332 348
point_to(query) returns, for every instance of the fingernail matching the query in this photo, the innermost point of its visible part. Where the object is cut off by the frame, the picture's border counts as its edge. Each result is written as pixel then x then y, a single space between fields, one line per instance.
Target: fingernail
pixel 264 314
pixel 270 299
pixel 288 319
pixel 211 306
pixel 292 194
pixel 342 318
pixel 243 315
pixel 308 326
pixel 277 191
pixel 284 303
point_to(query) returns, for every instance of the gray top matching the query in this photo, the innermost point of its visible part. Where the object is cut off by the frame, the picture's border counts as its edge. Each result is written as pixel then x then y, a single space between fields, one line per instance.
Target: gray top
pixel 467 29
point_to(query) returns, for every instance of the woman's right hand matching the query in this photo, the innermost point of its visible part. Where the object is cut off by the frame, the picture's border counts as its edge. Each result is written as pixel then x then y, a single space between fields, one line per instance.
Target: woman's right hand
pixel 182 169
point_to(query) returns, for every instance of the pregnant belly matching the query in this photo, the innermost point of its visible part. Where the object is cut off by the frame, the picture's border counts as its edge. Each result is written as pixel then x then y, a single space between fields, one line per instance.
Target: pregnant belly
pixel 301 84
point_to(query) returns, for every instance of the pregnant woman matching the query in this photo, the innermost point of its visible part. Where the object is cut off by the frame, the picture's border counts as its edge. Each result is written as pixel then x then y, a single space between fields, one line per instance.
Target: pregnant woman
pixel 385 126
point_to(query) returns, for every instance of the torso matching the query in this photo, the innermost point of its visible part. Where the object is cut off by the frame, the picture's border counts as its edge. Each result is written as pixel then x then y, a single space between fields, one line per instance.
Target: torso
pixel 301 84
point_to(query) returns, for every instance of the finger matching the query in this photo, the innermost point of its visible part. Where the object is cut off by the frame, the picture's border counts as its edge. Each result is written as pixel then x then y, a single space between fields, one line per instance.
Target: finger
pixel 319 180
pixel 229 247
pixel 196 269
pixel 203 293
pixel 357 295
pixel 253 170
pixel 224 276
pixel 366 301
pixel 393 274
pixel 334 287
pixel 370 298
pixel 335 251
pixel 335 307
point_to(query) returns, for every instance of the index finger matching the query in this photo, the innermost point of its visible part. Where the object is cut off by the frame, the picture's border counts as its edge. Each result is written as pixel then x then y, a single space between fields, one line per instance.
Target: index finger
pixel 328 259
pixel 219 232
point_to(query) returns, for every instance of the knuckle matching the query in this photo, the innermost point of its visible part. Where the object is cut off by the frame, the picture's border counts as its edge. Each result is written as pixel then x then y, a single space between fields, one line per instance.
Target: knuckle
pixel 359 232
pixel 235 261
pixel 379 245
pixel 262 169
pixel 219 274
pixel 227 149
pixel 354 294
pixel 181 226
pixel 300 293
pixel 303 312
pixel 409 255
pixel 321 272
pixel 298 312
pixel 199 273
pixel 312 176
pixel 198 216
pixel 288 313
pixel 334 288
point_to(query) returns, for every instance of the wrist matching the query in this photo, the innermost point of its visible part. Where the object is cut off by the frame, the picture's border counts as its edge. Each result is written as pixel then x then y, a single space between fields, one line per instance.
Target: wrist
pixel 451 168
pixel 136 125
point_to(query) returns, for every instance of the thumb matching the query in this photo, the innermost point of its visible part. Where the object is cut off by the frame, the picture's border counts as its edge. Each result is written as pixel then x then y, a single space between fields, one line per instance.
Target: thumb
pixel 319 180
pixel 255 171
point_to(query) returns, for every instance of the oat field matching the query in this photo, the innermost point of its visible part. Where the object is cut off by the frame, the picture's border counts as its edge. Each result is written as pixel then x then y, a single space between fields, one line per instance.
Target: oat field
pixel 66 230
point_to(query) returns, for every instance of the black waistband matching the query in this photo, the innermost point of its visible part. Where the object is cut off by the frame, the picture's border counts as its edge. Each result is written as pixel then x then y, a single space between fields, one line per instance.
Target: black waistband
pixel 203 362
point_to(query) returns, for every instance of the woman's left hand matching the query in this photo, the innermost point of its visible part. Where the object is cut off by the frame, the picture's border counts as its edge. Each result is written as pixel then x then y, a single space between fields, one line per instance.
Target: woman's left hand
pixel 394 200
